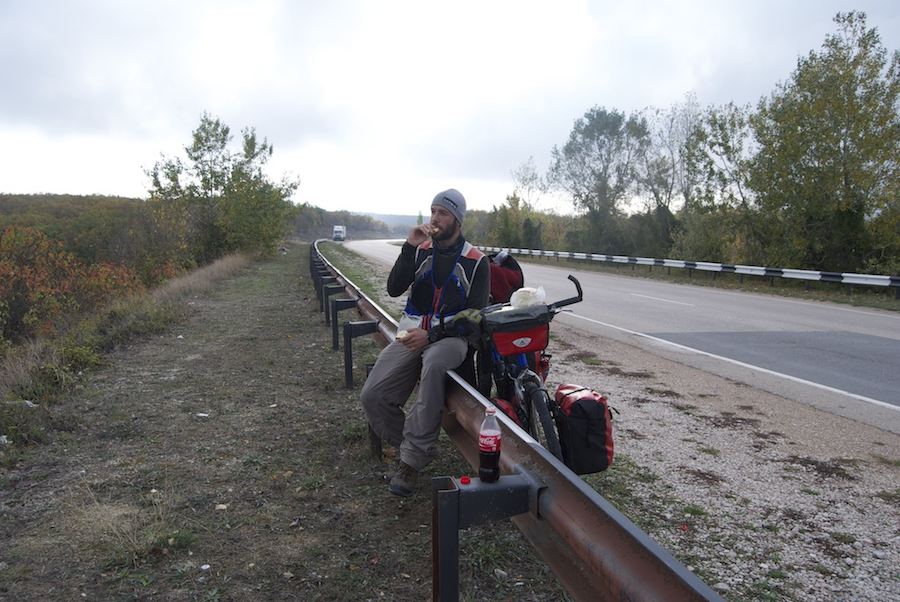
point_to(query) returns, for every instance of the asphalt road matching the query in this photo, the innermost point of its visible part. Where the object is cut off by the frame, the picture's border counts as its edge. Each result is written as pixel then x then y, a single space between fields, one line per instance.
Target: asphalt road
pixel 839 358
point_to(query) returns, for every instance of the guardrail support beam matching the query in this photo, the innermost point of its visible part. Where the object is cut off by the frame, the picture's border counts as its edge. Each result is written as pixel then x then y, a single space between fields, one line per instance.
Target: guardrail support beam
pixel 324 280
pixel 327 291
pixel 336 306
pixel 461 503
pixel 351 331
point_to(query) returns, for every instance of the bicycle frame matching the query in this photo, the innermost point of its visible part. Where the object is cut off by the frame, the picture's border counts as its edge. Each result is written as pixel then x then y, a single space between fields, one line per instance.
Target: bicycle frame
pixel 519 384
pixel 515 380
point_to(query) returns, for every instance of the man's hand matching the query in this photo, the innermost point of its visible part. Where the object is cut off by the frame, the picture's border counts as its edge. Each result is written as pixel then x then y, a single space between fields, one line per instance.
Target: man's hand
pixel 420 234
pixel 415 339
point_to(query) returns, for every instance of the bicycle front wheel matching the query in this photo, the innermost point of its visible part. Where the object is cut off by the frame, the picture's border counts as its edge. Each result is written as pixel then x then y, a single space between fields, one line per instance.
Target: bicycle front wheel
pixel 542 427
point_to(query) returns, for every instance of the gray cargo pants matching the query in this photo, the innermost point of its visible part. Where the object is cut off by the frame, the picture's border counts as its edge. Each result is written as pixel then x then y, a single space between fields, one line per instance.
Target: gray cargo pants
pixel 389 385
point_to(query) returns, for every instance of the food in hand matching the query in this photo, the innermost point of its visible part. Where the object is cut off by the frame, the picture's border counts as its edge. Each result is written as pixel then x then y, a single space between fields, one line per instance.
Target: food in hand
pixel 402 334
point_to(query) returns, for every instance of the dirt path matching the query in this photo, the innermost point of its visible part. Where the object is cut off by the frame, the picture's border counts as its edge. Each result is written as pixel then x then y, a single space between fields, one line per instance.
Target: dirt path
pixel 224 460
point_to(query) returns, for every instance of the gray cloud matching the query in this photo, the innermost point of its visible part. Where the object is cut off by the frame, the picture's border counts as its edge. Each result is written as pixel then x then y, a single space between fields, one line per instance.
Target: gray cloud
pixel 462 92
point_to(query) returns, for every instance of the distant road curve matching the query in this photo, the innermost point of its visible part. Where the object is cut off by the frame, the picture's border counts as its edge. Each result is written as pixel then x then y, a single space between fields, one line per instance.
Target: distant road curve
pixel 842 359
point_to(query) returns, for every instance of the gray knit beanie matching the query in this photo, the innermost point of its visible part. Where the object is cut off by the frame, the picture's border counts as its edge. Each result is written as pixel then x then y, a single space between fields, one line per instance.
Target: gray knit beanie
pixel 453 201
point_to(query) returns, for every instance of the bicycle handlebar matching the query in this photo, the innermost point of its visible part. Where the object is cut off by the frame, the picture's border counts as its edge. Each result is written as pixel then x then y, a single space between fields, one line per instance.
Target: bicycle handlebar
pixel 552 307
pixel 571 300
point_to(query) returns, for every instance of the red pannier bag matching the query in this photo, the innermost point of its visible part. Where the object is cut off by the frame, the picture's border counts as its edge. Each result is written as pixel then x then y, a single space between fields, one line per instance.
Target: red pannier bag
pixel 584 422
pixel 508 409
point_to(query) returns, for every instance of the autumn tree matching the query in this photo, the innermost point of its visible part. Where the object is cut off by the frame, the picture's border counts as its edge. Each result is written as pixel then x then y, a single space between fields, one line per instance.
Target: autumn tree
pixel 662 177
pixel 41 283
pixel 719 221
pixel 828 151
pixel 596 167
pixel 220 200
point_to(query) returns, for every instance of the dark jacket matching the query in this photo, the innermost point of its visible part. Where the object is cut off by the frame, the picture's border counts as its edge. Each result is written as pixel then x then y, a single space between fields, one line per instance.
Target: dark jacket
pixel 450 279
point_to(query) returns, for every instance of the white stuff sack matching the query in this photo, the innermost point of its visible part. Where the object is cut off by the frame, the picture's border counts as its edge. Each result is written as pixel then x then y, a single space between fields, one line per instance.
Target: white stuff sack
pixel 527 296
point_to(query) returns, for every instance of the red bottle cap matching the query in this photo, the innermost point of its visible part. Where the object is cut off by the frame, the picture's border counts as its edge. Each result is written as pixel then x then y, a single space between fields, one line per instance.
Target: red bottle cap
pixel 464 480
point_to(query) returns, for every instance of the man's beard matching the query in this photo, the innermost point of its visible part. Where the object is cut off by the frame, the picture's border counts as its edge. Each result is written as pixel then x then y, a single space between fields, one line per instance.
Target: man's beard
pixel 445 235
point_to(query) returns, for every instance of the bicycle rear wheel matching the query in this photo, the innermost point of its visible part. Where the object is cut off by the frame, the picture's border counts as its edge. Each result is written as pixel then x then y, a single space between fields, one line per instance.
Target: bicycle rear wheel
pixel 542 427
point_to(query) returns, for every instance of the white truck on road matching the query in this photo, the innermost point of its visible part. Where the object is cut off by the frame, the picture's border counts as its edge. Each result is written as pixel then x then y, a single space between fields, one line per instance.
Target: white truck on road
pixel 339 233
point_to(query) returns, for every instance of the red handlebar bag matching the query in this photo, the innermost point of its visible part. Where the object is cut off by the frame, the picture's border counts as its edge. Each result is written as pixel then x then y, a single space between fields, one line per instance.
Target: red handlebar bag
pixel 519 330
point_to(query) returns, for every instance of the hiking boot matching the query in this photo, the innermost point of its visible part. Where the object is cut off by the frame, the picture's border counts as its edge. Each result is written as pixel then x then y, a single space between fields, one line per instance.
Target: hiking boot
pixel 404 481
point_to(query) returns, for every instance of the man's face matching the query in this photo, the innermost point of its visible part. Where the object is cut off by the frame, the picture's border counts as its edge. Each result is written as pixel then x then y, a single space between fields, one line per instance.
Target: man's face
pixel 445 225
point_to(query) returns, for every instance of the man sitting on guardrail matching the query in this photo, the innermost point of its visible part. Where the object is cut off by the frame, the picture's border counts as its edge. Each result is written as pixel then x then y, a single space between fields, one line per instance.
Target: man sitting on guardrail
pixel 444 275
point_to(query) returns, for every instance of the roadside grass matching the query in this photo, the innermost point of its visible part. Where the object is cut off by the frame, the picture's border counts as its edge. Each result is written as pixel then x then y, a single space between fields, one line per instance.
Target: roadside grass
pixel 885 461
pixel 844 538
pixel 354 266
pixel 621 485
pixel 122 535
pixel 861 296
pixel 36 372
pixel 891 497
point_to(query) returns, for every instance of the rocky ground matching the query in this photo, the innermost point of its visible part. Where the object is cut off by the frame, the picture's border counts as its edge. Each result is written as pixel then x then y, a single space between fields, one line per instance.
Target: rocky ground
pixel 224 460
pixel 763 497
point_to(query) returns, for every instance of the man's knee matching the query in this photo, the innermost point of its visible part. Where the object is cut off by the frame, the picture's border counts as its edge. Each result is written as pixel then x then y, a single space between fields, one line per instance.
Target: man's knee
pixel 369 399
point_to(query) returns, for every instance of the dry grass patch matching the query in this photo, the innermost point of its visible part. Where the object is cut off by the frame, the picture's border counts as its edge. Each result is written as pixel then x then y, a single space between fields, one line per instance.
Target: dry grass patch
pixel 201 279
pixel 18 366
pixel 123 534
pixel 663 392
pixel 39 370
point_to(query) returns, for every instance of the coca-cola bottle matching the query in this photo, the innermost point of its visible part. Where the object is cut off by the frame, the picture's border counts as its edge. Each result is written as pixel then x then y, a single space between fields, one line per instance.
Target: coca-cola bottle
pixel 489 447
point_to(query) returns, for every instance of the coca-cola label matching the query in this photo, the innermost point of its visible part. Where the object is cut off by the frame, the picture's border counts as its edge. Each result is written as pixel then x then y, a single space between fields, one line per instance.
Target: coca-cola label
pixel 489 442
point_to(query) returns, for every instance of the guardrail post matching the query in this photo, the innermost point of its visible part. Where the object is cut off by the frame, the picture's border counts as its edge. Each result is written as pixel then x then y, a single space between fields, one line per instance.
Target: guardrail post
pixel 465 502
pixel 444 539
pixel 319 293
pixel 316 264
pixel 351 331
pixel 314 261
pixel 320 273
pixel 327 291
pixel 336 306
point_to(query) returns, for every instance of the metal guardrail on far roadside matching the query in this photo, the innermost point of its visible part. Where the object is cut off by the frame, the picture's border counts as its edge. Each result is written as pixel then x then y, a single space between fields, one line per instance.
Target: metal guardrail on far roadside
pixel 595 552
pixel 849 278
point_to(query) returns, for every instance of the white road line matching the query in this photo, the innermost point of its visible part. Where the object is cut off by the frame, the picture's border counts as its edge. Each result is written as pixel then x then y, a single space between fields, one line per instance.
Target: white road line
pixel 663 300
pixel 877 402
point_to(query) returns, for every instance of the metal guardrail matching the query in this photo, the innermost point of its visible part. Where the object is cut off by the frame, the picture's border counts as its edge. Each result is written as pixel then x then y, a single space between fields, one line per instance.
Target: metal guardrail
pixel 849 278
pixel 592 548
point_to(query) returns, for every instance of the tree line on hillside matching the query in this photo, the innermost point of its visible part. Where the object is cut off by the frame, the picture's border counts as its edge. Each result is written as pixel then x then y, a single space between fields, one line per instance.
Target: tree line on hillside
pixel 311 222
pixel 807 179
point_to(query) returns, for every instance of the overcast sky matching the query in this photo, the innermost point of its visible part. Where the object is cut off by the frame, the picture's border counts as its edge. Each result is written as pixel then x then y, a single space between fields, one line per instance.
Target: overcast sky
pixel 374 105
